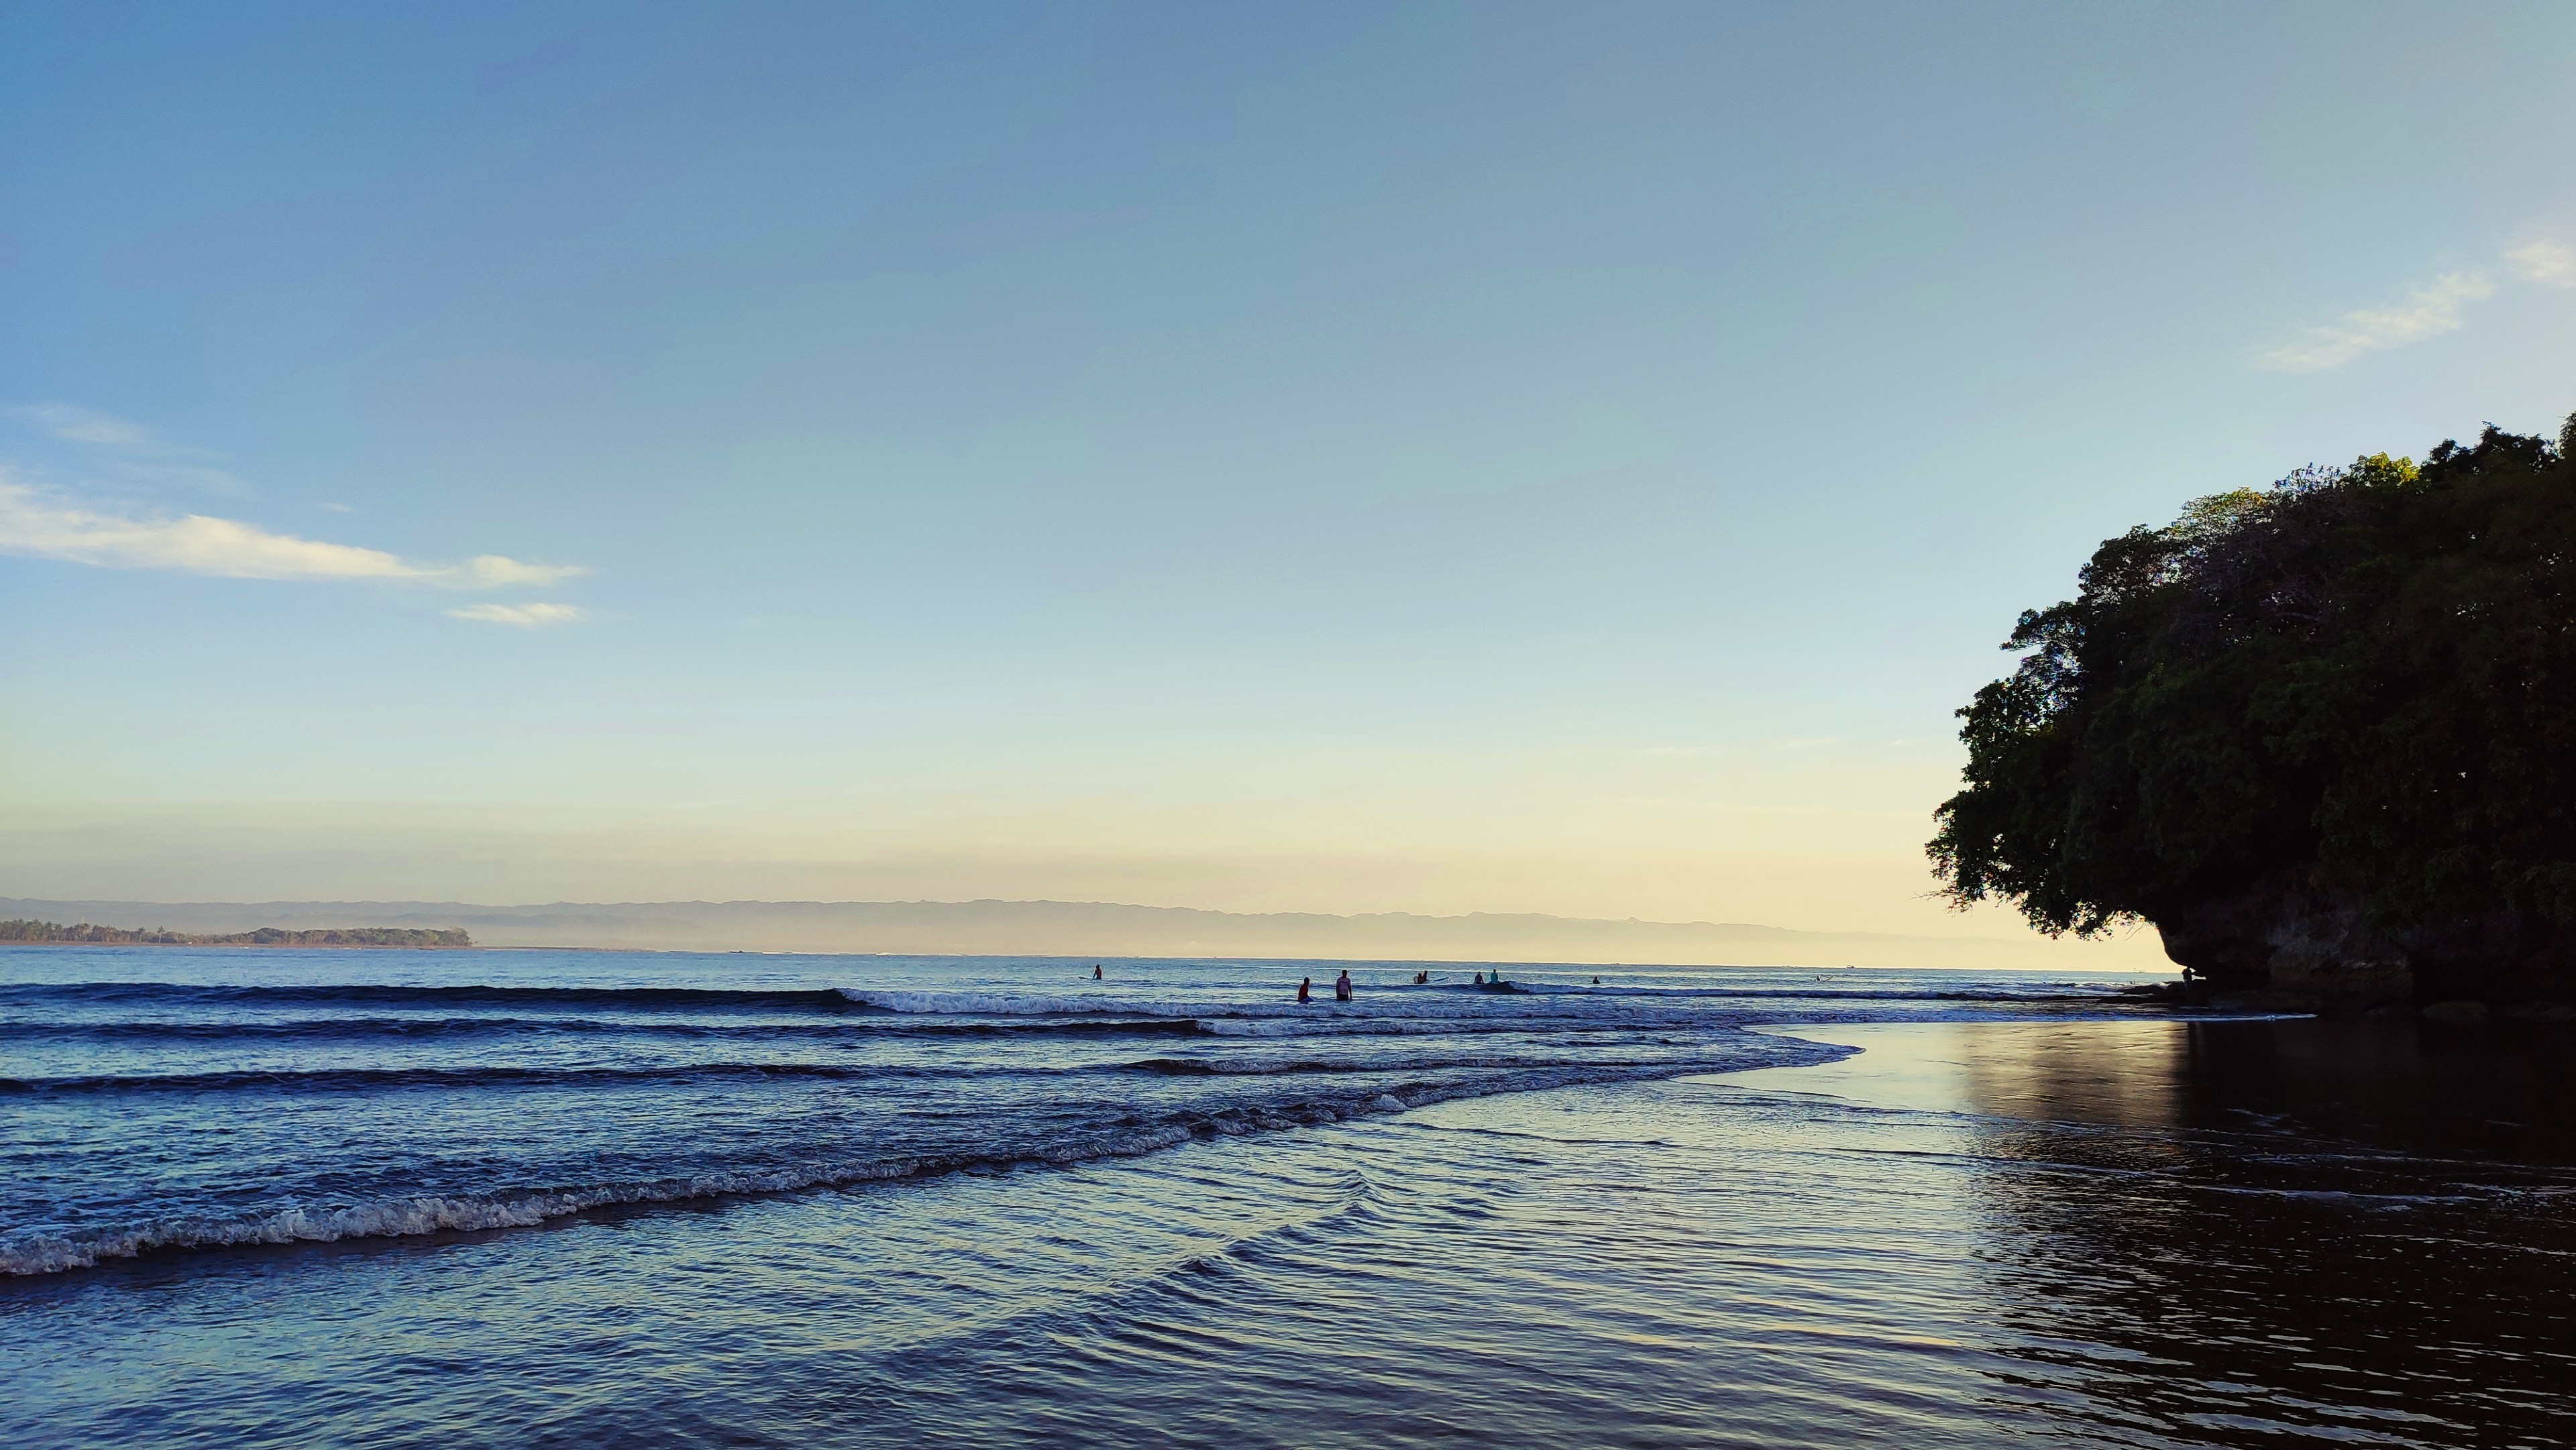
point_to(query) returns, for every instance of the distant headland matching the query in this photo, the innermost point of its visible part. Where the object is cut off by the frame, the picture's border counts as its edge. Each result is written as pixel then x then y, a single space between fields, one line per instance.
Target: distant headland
pixel 46 933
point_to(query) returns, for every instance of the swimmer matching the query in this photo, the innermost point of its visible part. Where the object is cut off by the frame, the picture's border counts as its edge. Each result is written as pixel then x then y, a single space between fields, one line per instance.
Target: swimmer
pixel 1304 986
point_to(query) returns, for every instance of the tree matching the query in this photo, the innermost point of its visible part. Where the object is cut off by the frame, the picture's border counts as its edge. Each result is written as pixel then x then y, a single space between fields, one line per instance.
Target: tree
pixel 2356 687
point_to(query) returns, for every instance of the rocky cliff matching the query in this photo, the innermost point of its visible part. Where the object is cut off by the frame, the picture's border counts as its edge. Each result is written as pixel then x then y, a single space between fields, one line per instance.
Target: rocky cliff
pixel 2291 943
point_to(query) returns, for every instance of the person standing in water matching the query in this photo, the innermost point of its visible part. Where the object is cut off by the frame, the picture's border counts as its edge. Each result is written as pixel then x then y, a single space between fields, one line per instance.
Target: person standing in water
pixel 1304 986
pixel 1342 987
pixel 1095 972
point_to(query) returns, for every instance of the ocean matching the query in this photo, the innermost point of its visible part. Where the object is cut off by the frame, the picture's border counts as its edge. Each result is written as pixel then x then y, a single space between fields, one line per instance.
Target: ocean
pixel 465 1198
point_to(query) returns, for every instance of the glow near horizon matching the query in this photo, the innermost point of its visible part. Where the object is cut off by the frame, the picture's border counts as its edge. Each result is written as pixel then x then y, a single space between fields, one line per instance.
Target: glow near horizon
pixel 1446 460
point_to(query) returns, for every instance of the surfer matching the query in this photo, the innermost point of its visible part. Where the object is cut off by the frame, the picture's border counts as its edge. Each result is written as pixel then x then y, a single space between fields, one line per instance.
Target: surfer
pixel 1095 971
pixel 1480 979
pixel 1304 986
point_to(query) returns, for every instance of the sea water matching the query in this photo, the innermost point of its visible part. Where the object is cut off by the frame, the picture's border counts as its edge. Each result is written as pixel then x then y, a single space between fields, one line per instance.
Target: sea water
pixel 511 1198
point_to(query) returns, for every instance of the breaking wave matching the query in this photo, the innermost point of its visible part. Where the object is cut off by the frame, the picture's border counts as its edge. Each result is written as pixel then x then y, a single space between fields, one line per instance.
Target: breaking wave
pixel 326 1029
pixel 423 1214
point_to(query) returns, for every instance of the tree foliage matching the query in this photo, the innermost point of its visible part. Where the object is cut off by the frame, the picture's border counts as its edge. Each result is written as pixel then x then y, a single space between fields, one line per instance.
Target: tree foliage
pixel 2366 675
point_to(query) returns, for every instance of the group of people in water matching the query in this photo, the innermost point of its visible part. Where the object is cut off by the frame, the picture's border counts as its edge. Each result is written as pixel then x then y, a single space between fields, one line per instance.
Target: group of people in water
pixel 1342 984
pixel 1341 988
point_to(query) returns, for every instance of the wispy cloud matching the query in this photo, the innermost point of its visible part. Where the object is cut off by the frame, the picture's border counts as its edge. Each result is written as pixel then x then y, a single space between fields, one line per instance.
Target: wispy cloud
pixel 526 616
pixel 53 522
pixel 42 525
pixel 81 425
pixel 128 450
pixel 2428 311
pixel 2544 261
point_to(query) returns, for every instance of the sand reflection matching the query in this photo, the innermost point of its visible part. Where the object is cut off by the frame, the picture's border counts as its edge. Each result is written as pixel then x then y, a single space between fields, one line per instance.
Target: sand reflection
pixel 2243 1230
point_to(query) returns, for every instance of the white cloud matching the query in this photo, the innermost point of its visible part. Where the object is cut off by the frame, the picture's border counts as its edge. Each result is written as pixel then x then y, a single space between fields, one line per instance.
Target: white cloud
pixel 31 524
pixel 2545 261
pixel 2428 311
pixel 491 571
pixel 43 526
pixel 526 616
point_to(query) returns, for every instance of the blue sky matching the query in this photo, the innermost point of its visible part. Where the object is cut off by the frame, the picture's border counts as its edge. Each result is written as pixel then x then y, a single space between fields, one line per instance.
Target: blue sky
pixel 1333 457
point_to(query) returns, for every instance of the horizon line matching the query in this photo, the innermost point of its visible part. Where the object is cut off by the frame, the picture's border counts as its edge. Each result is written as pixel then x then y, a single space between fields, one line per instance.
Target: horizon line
pixel 1013 901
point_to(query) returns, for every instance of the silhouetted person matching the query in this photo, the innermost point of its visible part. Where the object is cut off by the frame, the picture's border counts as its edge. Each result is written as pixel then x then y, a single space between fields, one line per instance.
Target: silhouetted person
pixel 1480 979
pixel 1342 988
pixel 1304 986
pixel 1095 972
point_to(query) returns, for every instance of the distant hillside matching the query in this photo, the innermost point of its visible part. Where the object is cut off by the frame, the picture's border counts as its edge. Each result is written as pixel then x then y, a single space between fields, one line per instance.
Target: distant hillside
pixel 84 934
pixel 1062 928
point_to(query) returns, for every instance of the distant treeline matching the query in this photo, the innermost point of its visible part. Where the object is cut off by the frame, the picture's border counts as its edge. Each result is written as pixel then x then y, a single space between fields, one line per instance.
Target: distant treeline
pixel 266 936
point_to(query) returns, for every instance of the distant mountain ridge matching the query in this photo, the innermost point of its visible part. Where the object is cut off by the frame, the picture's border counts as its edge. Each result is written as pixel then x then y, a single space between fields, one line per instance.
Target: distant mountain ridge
pixel 1093 928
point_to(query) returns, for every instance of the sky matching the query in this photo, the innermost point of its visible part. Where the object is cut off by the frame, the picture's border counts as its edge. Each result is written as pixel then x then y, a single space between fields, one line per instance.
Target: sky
pixel 1324 457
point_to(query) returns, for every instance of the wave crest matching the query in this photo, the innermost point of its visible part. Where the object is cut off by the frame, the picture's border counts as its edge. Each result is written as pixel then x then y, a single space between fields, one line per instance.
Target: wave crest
pixel 415 1215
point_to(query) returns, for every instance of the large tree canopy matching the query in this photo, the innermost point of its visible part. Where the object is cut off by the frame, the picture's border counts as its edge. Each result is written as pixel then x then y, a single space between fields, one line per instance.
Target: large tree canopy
pixel 2365 675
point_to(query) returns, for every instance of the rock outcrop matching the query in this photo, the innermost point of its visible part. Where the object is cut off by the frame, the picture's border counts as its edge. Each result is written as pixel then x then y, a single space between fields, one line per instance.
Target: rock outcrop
pixel 2290 943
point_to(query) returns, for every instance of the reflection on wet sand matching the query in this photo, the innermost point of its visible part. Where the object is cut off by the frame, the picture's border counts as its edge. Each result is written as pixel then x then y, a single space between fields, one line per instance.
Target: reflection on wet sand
pixel 2252 1230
